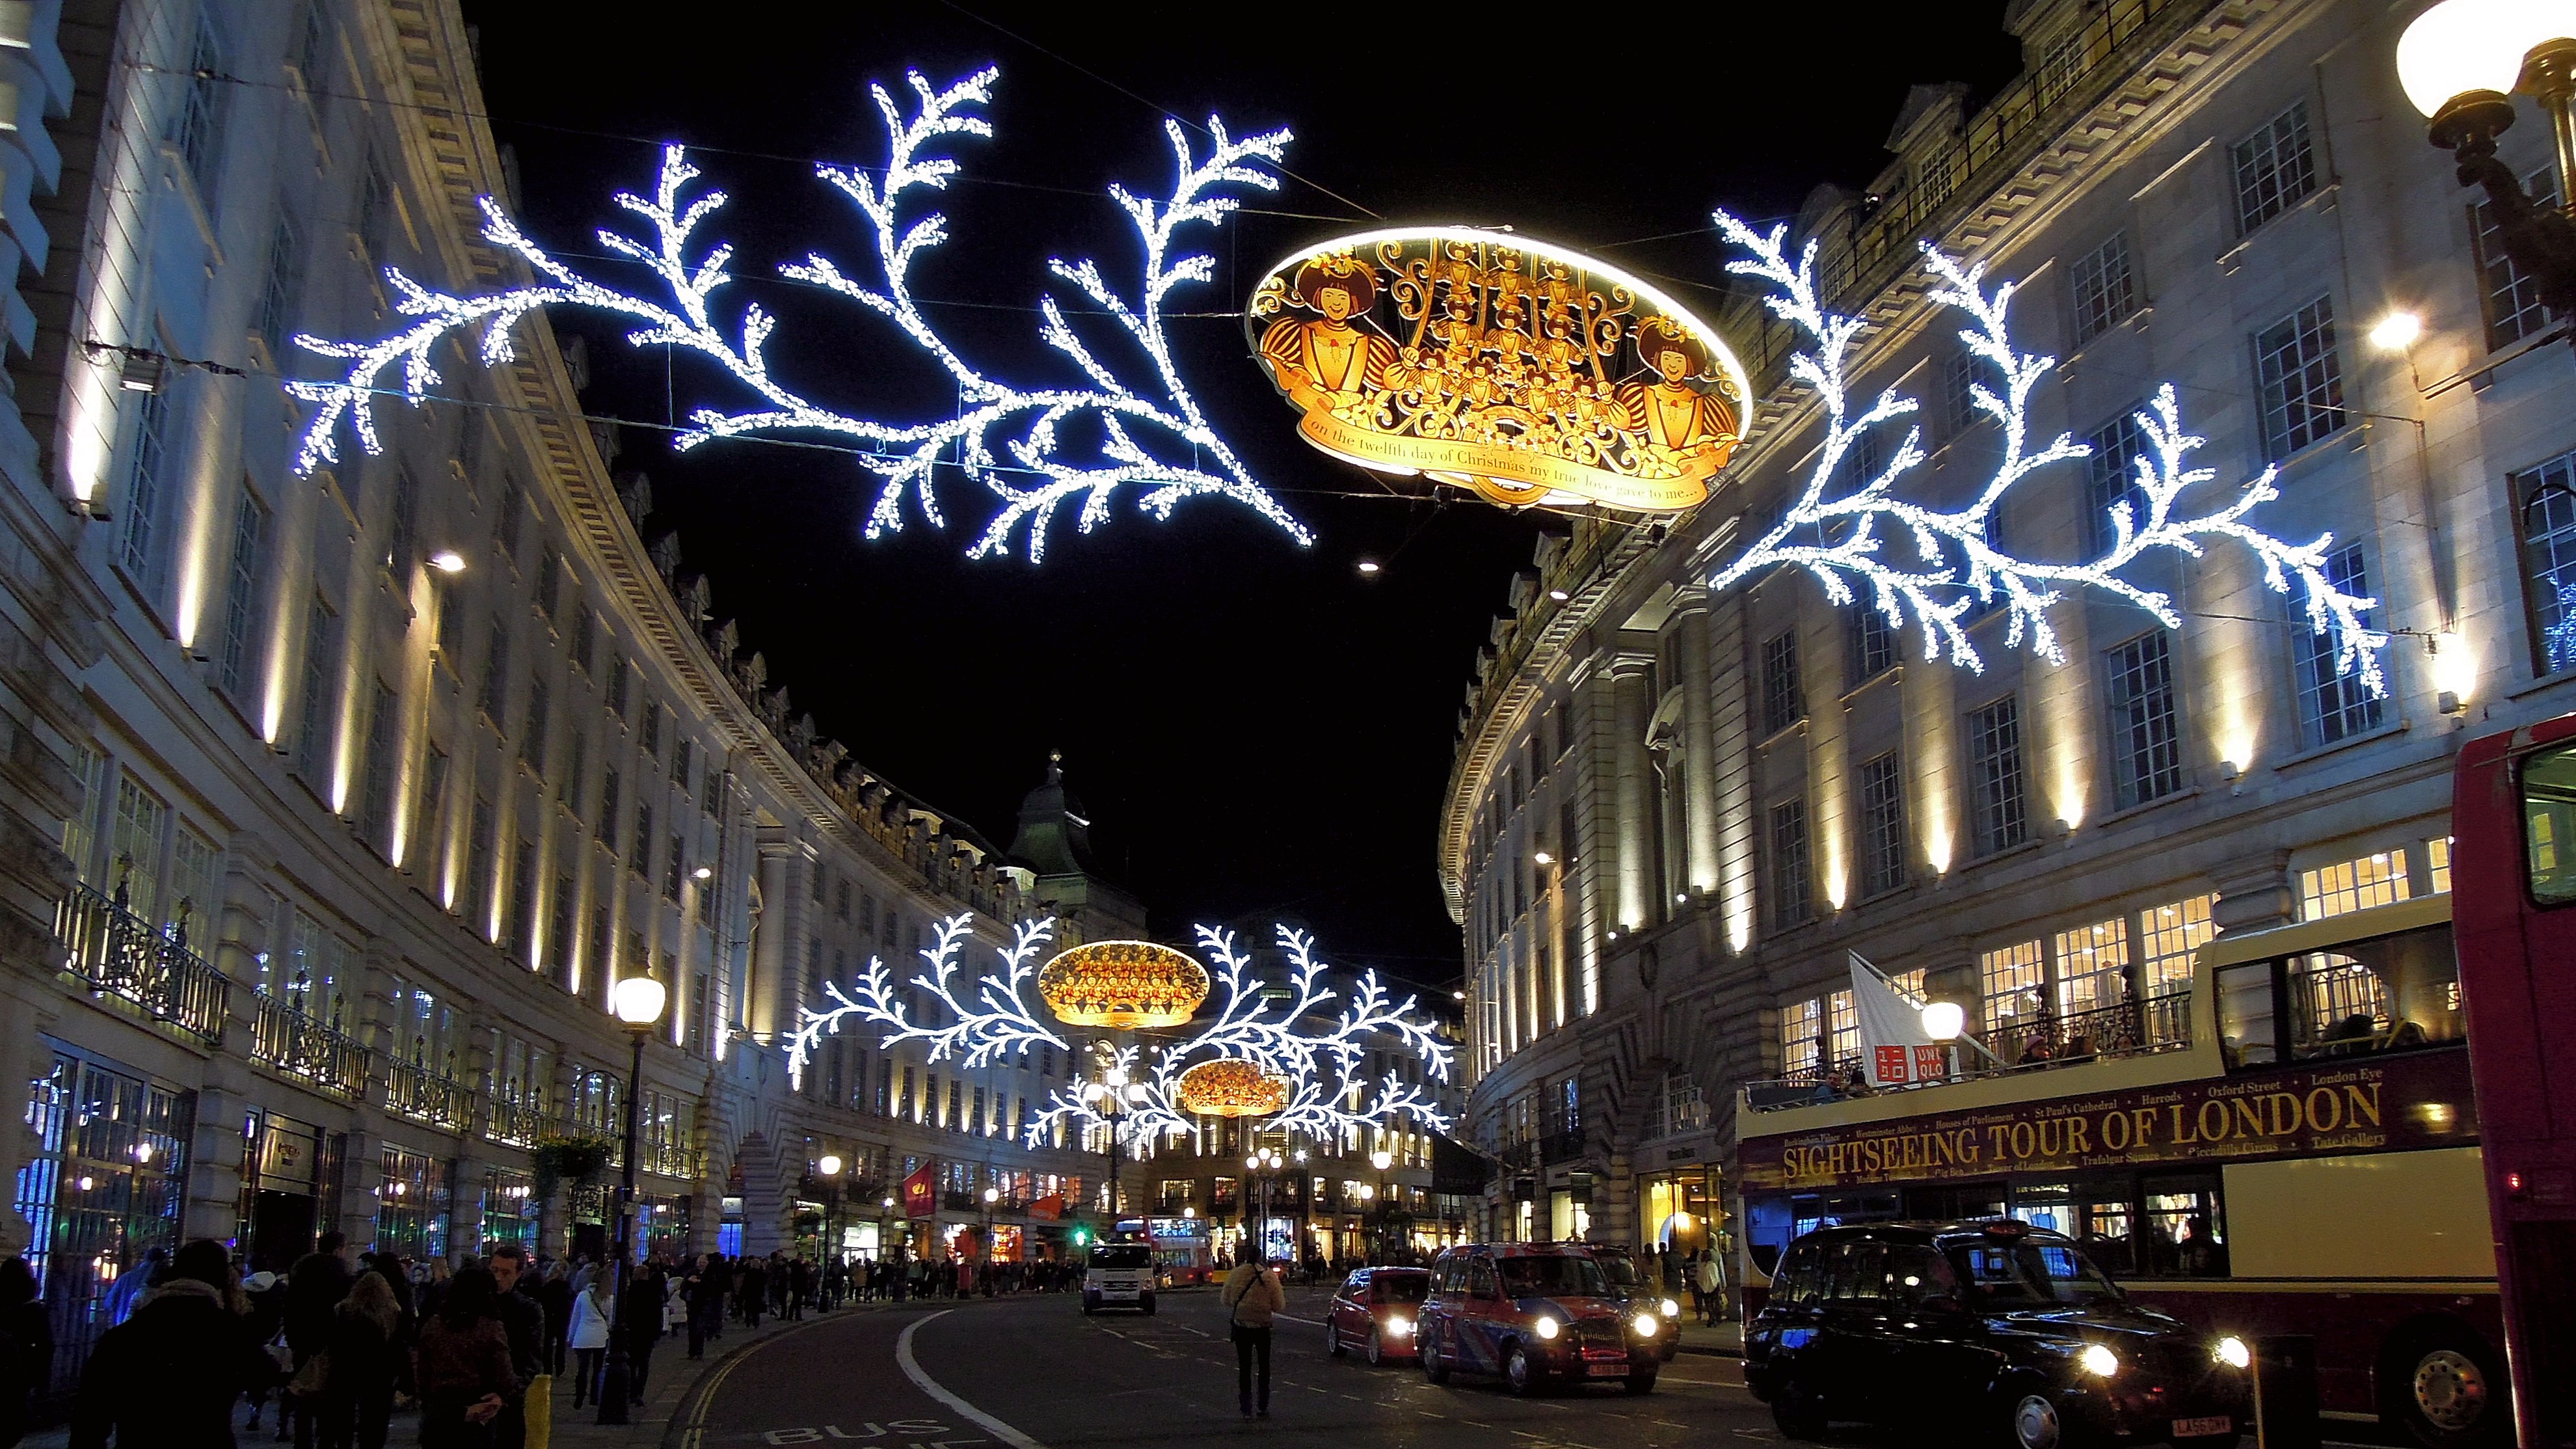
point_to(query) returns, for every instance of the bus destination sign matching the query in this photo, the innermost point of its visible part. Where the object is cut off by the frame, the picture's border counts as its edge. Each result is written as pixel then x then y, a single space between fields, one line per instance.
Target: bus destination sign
pixel 2380 1104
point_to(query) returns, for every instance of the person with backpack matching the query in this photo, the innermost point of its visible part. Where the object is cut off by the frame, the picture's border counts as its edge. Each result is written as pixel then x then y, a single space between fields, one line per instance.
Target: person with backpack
pixel 463 1365
pixel 167 1377
pixel 358 1385
pixel 589 1337
pixel 1252 1294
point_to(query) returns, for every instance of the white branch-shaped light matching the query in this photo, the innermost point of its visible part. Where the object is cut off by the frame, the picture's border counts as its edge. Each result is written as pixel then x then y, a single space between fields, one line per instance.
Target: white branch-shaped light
pixel 1321 1054
pixel 1841 535
pixel 1033 450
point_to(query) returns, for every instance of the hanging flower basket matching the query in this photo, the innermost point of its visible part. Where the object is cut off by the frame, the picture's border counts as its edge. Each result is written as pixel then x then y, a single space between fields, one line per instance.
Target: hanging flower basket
pixel 569 1159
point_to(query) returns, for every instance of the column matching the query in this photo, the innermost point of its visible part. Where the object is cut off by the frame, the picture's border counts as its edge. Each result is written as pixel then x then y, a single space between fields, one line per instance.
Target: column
pixel 2255 891
pixel 779 894
pixel 1699 740
pixel 362 1172
pixel 1731 771
pixel 212 1208
pixel 1634 777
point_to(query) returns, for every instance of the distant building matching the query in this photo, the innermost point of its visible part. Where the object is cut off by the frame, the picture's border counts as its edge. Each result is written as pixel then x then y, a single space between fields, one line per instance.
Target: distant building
pixel 320 848
pixel 1673 815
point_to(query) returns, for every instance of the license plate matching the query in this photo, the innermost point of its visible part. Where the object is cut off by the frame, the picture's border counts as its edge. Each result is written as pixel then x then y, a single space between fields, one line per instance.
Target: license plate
pixel 2195 1428
pixel 1606 1370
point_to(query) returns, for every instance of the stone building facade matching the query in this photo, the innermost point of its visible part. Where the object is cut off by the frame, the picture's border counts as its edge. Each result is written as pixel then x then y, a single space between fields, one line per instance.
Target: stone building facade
pixel 1674 815
pixel 331 806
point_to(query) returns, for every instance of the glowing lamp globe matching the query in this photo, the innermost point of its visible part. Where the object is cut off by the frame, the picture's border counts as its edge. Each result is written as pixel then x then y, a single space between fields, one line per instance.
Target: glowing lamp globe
pixel 1381 1159
pixel 1943 1021
pixel 2459 60
pixel 830 1166
pixel 1123 985
pixel 1232 1087
pixel 638 1000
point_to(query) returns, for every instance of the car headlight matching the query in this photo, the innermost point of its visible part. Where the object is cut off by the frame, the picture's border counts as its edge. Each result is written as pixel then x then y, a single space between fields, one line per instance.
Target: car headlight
pixel 1399 1325
pixel 2098 1361
pixel 1671 1309
pixel 1648 1325
pixel 2232 1352
pixel 1547 1328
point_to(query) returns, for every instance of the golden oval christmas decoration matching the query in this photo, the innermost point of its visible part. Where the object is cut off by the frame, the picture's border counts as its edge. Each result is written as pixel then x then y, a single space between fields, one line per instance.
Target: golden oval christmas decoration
pixel 1232 1087
pixel 1526 372
pixel 1123 984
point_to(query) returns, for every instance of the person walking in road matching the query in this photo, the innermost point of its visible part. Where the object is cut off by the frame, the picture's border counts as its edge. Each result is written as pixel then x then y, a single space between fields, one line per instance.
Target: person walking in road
pixel 589 1337
pixel 358 1394
pixel 1251 1295
pixel 463 1365
pixel 166 1377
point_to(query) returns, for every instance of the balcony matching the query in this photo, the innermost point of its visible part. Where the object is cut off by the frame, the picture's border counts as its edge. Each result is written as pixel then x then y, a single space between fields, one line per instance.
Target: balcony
pixel 518 1124
pixel 667 1160
pixel 2024 1047
pixel 414 1091
pixel 116 953
pixel 286 1039
pixel 1561 1146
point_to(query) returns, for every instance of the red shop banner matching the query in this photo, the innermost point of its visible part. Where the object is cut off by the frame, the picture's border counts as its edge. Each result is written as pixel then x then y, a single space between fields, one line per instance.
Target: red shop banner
pixel 2382 1104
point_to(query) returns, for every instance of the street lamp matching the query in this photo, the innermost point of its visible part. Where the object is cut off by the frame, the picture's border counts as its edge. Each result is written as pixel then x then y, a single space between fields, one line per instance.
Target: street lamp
pixel 829 1167
pixel 2458 63
pixel 637 1002
pixel 992 1195
pixel 1381 1160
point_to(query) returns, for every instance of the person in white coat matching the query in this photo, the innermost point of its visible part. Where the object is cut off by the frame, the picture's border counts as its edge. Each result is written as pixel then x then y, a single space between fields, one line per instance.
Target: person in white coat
pixel 589 1339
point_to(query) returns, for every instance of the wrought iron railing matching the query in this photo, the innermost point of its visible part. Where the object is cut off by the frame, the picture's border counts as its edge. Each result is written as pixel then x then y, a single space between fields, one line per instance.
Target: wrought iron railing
pixel 287 1038
pixel 2126 1029
pixel 519 1124
pixel 665 1160
pixel 415 1091
pixel 116 953
pixel 1561 1146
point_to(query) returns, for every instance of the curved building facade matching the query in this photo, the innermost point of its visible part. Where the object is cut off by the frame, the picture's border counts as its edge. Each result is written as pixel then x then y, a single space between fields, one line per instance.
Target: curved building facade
pixel 336 804
pixel 1675 817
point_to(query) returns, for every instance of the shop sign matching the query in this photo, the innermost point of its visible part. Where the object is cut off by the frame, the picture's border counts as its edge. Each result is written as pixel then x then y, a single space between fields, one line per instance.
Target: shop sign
pixel 2395 1104
pixel 1525 372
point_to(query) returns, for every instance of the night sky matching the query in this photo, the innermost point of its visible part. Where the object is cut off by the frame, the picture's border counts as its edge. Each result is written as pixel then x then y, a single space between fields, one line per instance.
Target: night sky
pixel 1257 729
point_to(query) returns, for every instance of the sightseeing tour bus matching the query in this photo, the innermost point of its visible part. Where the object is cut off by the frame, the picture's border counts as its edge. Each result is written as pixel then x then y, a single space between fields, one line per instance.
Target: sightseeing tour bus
pixel 1182 1255
pixel 2291 1149
pixel 2513 816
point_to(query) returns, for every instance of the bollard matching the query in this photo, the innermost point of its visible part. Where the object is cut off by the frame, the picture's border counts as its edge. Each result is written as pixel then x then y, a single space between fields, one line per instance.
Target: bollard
pixel 2285 1392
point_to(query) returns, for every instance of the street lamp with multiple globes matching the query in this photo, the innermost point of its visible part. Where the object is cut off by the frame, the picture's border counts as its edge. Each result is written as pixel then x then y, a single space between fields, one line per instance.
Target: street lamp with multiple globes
pixel 828 1167
pixel 2458 63
pixel 637 1002
pixel 1381 1160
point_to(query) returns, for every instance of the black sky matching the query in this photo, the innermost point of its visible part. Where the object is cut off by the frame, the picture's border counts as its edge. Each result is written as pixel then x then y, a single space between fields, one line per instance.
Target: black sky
pixel 1255 727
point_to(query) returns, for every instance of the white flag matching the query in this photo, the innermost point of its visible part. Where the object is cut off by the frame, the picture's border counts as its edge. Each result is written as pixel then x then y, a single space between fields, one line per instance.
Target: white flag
pixel 1895 1050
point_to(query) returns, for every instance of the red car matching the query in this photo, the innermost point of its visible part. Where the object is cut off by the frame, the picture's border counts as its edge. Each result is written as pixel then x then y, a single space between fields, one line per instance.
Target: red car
pixel 1376 1309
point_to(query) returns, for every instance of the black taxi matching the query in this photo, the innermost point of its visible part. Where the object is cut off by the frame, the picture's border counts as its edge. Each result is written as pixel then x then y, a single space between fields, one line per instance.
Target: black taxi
pixel 1984 1323
pixel 1532 1314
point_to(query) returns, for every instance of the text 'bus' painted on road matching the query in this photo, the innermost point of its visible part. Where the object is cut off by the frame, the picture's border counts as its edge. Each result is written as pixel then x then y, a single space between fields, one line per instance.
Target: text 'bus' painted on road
pixel 897 1434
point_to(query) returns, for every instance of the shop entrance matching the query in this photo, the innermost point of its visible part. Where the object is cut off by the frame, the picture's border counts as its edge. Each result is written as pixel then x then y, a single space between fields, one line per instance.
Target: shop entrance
pixel 282 1180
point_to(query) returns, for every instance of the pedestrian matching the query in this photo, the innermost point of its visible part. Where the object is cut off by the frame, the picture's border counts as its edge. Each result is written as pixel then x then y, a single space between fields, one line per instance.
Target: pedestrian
pixel 1252 1293
pixel 705 1293
pixel 166 1378
pixel 754 1291
pixel 554 1295
pixel 1712 1288
pixel 314 1288
pixel 126 1292
pixel 524 1319
pixel 589 1338
pixel 800 1285
pixel 358 1391
pixel 27 1339
pixel 639 1323
pixel 267 1295
pixel 463 1365
pixel 1690 1284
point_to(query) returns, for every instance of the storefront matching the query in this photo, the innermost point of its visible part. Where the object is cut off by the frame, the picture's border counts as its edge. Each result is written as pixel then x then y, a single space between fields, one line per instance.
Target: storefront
pixel 290 1181
pixel 414 1197
pixel 510 1209
pixel 662 1227
pixel 1677 1209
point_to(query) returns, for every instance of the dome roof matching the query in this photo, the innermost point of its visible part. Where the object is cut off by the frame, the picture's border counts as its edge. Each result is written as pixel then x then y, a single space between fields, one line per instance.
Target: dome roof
pixel 1054 836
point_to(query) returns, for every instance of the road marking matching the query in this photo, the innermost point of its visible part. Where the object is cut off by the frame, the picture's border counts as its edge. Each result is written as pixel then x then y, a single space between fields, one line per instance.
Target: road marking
pixel 1292 1318
pixel 1201 1332
pixel 923 1381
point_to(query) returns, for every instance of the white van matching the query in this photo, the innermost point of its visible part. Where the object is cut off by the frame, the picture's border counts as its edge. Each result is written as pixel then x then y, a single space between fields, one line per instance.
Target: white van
pixel 1120 1275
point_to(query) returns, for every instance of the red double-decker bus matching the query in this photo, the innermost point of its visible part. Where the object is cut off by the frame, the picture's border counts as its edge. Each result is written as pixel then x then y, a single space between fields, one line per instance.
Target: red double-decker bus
pixel 2513 822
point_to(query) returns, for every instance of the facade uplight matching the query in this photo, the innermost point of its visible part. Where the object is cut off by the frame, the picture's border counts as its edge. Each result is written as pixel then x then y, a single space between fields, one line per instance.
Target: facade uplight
pixel 703 873
pixel 2396 332
pixel 447 561
pixel 1542 857
pixel 1369 565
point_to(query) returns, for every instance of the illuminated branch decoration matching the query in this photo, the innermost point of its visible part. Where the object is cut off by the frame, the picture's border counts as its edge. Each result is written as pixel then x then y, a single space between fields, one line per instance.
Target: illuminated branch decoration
pixel 1036 450
pixel 1331 1096
pixel 1960 571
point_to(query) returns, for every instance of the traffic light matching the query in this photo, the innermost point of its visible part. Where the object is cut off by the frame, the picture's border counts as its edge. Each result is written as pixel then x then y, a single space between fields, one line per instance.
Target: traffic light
pixel 1081 1236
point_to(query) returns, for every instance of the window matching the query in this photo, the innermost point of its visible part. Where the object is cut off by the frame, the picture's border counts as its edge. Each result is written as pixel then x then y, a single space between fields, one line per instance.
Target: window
pixel 2301 379
pixel 282 283
pixel 651 739
pixel 532 740
pixel 576 768
pixel 1882 825
pixel 1994 776
pixel 431 848
pixel 241 592
pixel 2437 864
pixel 680 766
pixel 549 582
pixel 1783 701
pixel 1801 1039
pixel 505 527
pixel 2377 879
pixel 674 868
pixel 2545 516
pixel 196 888
pixel 312 42
pixel 1792 878
pixel 2015 978
pixel 402 541
pixel 312 735
pixel 1869 643
pixel 1842 1031
pixel 134 845
pixel 1867 456
pixel 80 830
pixel 2093 966
pixel 2512 297
pixel 2274 168
pixel 2105 292
pixel 640 860
pixel 711 799
pixel 479 866
pixel 581 632
pixel 135 548
pixel 2333 705
pixel 375 209
pixel 2111 477
pixel 376 802
pixel 496 669
pixel 605 827
pixel 196 133
pixel 616 684
pixel 2173 932
pixel 1961 371
pixel 2146 751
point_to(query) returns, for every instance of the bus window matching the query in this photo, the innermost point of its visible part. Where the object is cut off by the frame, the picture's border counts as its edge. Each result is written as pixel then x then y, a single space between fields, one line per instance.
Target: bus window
pixel 2390 993
pixel 2185 1232
pixel 1767 1231
pixel 2549 824
pixel 2045 1205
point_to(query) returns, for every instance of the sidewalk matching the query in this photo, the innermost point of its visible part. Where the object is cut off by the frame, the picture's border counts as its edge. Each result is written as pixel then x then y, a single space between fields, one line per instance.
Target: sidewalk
pixel 1725 1339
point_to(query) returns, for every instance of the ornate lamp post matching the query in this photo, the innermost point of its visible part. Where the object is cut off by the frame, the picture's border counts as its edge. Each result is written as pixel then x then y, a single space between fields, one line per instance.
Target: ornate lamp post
pixel 638 1002
pixel 829 1166
pixel 992 1195
pixel 1263 1167
pixel 2459 62
pixel 1381 1160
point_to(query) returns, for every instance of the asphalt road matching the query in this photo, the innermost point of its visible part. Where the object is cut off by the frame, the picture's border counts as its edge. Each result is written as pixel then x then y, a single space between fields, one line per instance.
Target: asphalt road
pixel 1033 1373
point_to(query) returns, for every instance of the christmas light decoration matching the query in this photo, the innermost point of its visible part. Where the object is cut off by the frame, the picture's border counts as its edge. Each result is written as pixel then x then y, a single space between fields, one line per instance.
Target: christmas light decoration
pixel 1326 1093
pixel 1959 568
pixel 1232 1087
pixel 1035 449
pixel 1123 985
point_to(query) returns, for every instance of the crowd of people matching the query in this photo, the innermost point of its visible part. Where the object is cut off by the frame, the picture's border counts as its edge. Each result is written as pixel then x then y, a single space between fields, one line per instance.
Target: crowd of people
pixel 336 1344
